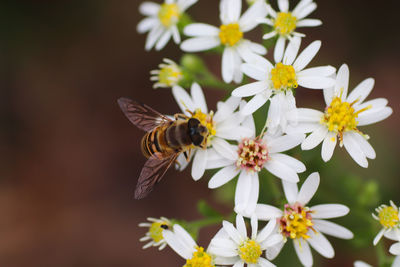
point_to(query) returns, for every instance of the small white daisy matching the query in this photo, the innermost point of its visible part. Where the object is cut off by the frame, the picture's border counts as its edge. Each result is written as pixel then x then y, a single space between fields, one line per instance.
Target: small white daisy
pixel 249 157
pixel 343 114
pixel 230 35
pixel 168 74
pixel 278 82
pixel 161 21
pixel 154 236
pixel 305 225
pixel 285 22
pixel 222 125
pixel 184 245
pixel 389 218
pixel 233 246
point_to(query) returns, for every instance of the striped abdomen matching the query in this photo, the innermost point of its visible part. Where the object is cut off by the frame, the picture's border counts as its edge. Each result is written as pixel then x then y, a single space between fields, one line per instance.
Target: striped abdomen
pixel 167 139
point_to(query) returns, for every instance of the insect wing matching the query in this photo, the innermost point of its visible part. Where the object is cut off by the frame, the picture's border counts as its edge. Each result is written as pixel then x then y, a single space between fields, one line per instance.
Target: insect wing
pixel 141 115
pixel 152 172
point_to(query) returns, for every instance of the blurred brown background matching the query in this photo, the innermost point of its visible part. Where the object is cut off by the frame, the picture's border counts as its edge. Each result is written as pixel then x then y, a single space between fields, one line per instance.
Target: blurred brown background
pixel 69 159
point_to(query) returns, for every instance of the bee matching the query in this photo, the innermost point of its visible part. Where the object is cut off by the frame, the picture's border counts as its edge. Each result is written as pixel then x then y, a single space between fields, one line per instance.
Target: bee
pixel 164 141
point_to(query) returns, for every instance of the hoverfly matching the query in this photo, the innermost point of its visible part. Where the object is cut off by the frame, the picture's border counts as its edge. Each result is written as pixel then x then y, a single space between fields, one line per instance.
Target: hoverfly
pixel 164 141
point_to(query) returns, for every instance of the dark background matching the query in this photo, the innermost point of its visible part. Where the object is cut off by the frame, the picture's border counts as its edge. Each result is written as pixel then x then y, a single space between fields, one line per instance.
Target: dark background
pixel 69 158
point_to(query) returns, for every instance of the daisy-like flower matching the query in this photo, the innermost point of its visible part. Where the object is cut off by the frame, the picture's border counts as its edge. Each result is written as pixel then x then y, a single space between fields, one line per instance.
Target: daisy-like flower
pixel 154 236
pixel 168 75
pixel 343 114
pixel 389 218
pixel 230 35
pixel 161 21
pixel 278 82
pixel 233 246
pixel 184 245
pixel 249 157
pixel 285 23
pixel 305 225
pixel 224 124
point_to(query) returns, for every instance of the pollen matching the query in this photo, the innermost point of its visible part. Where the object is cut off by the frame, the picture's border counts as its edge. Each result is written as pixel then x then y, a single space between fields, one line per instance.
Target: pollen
pixel 253 154
pixel 169 14
pixel 207 121
pixel 230 34
pixel 250 251
pixel 296 222
pixel 199 259
pixel 285 23
pixel 388 216
pixel 283 77
pixel 156 230
pixel 169 75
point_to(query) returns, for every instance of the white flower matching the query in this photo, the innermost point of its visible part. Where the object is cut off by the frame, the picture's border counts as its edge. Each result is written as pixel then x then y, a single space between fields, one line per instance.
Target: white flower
pixel 343 114
pixel 184 245
pixel 278 81
pixel 161 21
pixel 389 218
pixel 305 225
pixel 229 34
pixel 285 22
pixel 234 247
pixel 224 124
pixel 396 263
pixel 249 157
pixel 168 74
pixel 154 237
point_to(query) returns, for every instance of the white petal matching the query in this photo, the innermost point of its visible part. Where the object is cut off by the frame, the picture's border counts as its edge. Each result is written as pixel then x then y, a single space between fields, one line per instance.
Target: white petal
pixel 254 226
pixel 374 117
pixel 271 11
pixel 303 127
pixel 279 48
pixel 256 102
pixel 291 191
pixel 307 55
pixel 266 212
pixel 165 37
pixel 198 97
pixel 199 164
pixel 243 191
pixel 185 236
pixel 302 4
pixel 309 23
pixel 175 34
pixel 177 245
pixel 223 176
pixel 250 89
pixel 324 71
pixel 396 262
pixel 378 236
pixel 354 150
pixel 395 249
pixel 257 48
pixel 234 133
pixel 254 71
pixel 250 18
pixel 183 99
pixel 361 264
pixel 200 29
pixel 234 10
pixel 240 263
pixel 224 149
pixel 329 93
pixel 232 232
pixel 293 163
pixel 303 251
pixel 283 5
pixel 308 188
pixel 261 261
pixel 315 138
pixel 197 44
pixel 315 82
pixel 228 65
pixel 274 251
pixel 309 115
pixel 185 4
pixel 342 81
pixel 223 247
pixel 146 24
pixel 327 211
pixel 362 90
pixel 269 35
pixel 153 36
pixel 149 8
pixel 241 226
pixel 306 11
pixel 291 50
pixel 319 242
pixel 281 170
pixel 266 231
pixel 332 229
pixel 328 146
pixel 366 148
pixel 271 241
pixel 284 142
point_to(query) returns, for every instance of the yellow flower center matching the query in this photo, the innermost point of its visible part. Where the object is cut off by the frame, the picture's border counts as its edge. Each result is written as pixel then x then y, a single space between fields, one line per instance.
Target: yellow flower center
pixel 283 77
pixel 156 230
pixel 250 251
pixel 296 221
pixel 230 34
pixel 207 121
pixel 199 259
pixel 389 217
pixel 285 23
pixel 168 14
pixel 169 75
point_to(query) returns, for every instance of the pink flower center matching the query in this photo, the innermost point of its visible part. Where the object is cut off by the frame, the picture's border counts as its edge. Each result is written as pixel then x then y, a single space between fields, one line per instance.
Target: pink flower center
pixel 253 154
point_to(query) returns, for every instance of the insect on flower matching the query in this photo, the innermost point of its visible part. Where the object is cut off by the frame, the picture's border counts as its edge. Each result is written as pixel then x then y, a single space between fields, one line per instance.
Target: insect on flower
pixel 164 141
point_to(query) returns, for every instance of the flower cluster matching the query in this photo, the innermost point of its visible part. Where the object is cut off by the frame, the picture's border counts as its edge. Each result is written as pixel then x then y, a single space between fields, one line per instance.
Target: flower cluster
pixel 235 147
